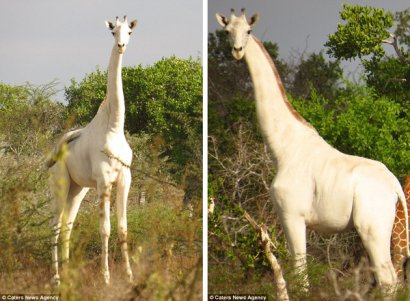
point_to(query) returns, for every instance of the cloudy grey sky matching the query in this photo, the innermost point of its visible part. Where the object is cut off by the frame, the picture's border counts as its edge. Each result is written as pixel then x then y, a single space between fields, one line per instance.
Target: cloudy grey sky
pixel 43 40
pixel 296 25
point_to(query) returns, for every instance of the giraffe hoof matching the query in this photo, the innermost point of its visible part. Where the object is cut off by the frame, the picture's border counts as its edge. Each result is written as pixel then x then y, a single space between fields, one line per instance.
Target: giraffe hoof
pixel 130 278
pixel 55 281
pixel 106 278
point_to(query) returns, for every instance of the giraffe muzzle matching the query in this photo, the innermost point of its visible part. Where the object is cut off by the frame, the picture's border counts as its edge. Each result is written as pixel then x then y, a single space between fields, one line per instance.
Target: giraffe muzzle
pixel 121 48
pixel 238 52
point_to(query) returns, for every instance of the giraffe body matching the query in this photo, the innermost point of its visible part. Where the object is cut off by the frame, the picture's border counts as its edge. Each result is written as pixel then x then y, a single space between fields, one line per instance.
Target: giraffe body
pixel 316 186
pixel 98 156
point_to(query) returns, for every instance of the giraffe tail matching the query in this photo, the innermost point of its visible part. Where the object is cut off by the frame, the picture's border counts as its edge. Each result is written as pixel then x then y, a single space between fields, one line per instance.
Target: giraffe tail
pixel 65 139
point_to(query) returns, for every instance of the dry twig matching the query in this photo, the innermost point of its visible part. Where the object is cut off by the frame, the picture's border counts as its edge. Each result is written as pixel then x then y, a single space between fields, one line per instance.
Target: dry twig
pixel 281 293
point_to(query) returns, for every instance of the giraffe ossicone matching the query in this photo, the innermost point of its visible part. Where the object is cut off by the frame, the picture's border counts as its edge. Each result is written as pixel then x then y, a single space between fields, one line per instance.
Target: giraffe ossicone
pixel 96 156
pixel 316 186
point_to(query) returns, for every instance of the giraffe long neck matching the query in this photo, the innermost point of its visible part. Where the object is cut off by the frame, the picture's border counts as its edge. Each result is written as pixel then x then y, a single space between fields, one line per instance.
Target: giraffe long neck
pixel 279 122
pixel 115 94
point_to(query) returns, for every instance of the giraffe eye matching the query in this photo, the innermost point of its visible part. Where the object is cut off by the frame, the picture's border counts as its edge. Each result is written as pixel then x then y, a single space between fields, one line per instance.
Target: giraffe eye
pixel 249 31
pixel 113 33
pixel 130 33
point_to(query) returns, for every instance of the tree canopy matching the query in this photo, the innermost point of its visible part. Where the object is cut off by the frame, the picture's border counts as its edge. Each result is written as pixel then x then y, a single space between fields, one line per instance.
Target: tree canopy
pixel 362 35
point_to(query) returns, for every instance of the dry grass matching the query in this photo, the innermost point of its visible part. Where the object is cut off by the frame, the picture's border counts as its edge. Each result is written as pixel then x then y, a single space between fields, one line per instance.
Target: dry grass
pixel 165 253
pixel 165 243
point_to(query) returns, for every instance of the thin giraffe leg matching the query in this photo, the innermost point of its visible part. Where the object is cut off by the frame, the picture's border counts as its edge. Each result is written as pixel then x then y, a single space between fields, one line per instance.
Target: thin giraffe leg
pixel 406 190
pixel 55 232
pixel 74 199
pixel 123 186
pixel 104 192
pixel 398 241
pixel 295 231
pixel 377 245
pixel 375 231
pixel 60 185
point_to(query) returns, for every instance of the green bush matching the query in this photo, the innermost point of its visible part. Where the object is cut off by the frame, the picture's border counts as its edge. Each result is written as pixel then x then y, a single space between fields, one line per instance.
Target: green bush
pixel 362 123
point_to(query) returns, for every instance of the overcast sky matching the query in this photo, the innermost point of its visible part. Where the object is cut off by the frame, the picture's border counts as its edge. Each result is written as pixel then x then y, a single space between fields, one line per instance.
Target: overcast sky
pixel 295 25
pixel 43 40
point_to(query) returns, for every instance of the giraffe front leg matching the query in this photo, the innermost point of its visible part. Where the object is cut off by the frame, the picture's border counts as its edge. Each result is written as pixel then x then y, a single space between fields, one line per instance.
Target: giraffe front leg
pixel 295 231
pixel 104 192
pixel 123 186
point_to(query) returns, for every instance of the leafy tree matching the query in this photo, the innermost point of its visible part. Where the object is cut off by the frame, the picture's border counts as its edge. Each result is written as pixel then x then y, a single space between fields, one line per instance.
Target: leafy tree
pixel 28 118
pixel 315 71
pixel 362 35
pixel 84 98
pixel 364 124
pixel 403 28
pixel 389 77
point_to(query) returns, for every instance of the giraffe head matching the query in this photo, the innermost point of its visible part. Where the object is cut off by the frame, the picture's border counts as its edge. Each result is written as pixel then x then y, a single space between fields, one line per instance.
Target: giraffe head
pixel 121 32
pixel 239 30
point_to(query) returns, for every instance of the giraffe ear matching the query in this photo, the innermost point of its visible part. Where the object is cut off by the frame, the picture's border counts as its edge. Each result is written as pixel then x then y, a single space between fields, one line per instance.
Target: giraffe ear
pixel 133 24
pixel 222 20
pixel 253 20
pixel 109 25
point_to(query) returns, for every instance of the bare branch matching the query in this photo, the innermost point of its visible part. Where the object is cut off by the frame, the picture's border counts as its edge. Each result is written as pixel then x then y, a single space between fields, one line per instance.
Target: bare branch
pixel 395 45
pixel 282 293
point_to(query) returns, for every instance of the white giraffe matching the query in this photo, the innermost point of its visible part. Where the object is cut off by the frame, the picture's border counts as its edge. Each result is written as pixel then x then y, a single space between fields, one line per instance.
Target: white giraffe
pixel 98 156
pixel 316 186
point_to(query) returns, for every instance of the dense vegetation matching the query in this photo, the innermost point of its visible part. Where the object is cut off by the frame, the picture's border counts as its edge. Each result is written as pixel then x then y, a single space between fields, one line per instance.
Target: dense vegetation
pixel 163 125
pixel 369 118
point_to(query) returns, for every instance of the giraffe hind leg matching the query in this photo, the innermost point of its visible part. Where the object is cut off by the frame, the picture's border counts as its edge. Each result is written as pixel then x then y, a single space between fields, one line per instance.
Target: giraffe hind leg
pixel 60 185
pixel 398 242
pixel 74 199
